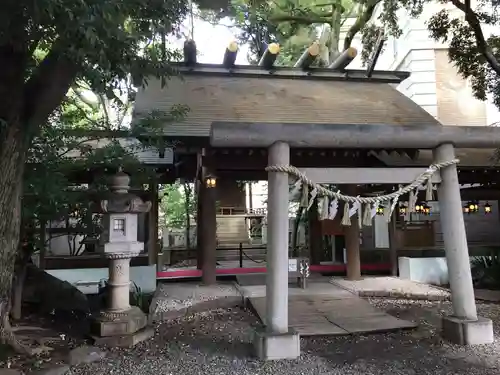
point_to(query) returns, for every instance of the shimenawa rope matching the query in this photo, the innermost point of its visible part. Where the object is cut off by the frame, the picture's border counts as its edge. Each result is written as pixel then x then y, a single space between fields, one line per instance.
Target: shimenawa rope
pixel 423 178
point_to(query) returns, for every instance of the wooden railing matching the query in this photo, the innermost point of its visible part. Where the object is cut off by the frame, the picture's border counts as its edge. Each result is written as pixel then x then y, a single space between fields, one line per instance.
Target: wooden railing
pixel 241 211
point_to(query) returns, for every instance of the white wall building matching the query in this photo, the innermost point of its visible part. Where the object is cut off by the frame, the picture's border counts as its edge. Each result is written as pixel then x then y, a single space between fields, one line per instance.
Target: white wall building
pixel 434 82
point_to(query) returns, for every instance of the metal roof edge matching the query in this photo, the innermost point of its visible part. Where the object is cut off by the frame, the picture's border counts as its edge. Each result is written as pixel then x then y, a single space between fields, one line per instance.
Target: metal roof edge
pixel 247 71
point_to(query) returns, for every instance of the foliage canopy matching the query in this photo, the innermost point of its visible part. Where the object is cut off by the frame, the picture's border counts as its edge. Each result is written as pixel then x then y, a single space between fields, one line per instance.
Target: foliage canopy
pixel 470 29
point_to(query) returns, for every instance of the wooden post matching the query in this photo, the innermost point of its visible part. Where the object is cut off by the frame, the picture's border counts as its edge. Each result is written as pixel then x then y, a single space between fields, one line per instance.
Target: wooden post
pixel 393 245
pixel 250 196
pixel 199 224
pixel 209 243
pixel 199 188
pixel 43 248
pixel 153 224
pixel 352 243
pixel 315 238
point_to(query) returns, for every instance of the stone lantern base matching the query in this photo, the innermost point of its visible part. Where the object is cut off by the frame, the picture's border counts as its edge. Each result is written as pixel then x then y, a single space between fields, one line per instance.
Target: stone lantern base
pixel 121 329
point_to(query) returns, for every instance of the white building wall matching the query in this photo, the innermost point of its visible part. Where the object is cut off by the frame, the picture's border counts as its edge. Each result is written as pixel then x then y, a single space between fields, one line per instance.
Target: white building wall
pixel 421 85
pixel 414 51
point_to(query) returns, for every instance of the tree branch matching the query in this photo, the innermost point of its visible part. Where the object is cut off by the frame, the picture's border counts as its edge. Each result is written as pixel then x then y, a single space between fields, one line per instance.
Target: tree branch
pixel 81 97
pixel 305 20
pixel 47 87
pixel 482 45
pixel 75 145
pixel 361 22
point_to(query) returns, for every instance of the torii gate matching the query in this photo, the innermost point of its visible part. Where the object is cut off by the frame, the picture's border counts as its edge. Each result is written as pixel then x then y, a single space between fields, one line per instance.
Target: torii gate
pixel 278 341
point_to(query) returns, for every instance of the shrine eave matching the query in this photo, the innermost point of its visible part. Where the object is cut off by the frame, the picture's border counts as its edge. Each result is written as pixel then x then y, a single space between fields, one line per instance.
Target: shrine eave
pixel 324 74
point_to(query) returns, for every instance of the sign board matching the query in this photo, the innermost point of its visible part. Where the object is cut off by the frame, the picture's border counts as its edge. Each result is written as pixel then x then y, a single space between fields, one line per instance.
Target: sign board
pixel 292 265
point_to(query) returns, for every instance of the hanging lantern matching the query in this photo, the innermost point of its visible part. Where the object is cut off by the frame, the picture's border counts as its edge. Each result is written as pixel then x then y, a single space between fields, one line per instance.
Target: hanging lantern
pixel 426 209
pixel 487 208
pixel 473 207
pixel 380 210
pixel 403 210
pixel 210 182
pixel 419 208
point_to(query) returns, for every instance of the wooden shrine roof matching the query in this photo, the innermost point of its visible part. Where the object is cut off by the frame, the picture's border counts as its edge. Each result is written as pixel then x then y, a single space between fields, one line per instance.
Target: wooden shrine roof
pixel 145 155
pixel 279 98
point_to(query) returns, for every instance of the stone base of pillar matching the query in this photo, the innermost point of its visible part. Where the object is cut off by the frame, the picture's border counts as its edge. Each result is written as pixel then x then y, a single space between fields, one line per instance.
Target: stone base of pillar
pixel 121 329
pixel 467 332
pixel 274 346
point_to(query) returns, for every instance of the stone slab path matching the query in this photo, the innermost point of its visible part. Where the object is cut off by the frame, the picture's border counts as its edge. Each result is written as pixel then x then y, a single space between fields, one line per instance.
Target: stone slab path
pixel 320 309
pixel 392 287
pixel 487 295
pixel 326 310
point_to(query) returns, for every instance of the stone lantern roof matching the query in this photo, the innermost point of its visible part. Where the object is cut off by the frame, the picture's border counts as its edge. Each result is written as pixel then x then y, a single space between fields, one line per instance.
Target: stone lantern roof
pixel 120 200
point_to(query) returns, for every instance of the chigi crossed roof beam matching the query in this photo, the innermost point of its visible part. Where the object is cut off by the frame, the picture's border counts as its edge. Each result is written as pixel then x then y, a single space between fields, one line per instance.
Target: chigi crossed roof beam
pixel 301 69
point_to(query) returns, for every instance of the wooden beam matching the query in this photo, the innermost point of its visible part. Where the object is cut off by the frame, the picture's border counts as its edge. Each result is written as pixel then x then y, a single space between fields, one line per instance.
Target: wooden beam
pixel 153 224
pixel 393 245
pixel 480 194
pixel 365 175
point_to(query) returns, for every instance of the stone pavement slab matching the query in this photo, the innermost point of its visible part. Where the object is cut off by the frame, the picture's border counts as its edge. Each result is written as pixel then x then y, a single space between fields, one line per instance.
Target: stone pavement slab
pixel 371 323
pixel 316 288
pixel 487 295
pixel 323 314
pixel 392 287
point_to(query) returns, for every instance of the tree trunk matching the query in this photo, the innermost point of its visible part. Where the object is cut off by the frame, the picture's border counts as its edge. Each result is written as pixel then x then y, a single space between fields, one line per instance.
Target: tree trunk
pixel 19 278
pixel 13 144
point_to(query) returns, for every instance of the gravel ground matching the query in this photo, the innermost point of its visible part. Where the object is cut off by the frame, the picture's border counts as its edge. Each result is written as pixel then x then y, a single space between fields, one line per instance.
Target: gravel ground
pixel 179 296
pixel 219 342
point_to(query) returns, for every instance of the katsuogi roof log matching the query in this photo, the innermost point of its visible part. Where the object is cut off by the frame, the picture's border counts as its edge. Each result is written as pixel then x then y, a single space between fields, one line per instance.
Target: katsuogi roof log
pixel 344 59
pixel 230 55
pixel 269 57
pixel 190 52
pixel 308 57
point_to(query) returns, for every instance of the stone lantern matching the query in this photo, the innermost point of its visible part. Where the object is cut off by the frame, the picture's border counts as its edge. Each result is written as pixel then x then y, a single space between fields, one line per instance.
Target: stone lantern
pixel 120 324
